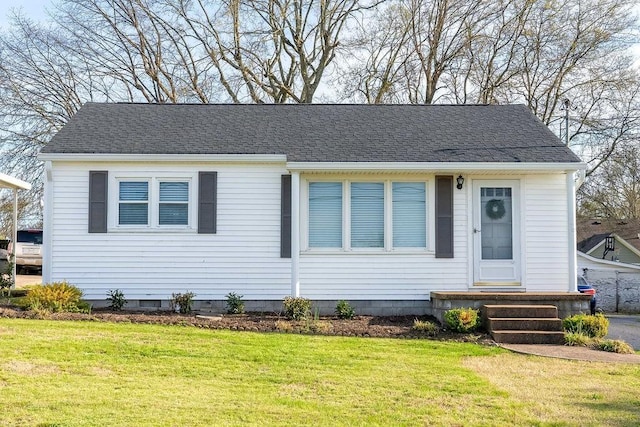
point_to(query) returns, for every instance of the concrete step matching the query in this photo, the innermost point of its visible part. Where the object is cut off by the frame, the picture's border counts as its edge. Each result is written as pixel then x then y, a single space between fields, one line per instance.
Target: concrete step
pixel 523 323
pixel 520 311
pixel 528 337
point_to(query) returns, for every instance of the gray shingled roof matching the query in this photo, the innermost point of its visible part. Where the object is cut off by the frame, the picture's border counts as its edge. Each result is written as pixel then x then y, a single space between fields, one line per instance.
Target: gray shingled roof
pixel 316 132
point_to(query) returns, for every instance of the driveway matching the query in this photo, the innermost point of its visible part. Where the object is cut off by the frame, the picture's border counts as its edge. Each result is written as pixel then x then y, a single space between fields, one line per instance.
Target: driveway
pixel 625 327
pixel 23 280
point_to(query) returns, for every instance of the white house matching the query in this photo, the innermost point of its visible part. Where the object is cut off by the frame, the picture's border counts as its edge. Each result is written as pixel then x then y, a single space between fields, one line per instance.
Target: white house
pixel 376 204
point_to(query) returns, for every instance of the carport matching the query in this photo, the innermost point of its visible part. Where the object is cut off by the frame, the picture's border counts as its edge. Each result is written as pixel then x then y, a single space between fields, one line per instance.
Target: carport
pixel 14 184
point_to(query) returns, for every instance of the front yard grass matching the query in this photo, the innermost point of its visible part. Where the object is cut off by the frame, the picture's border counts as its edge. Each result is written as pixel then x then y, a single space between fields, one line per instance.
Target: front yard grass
pixel 59 373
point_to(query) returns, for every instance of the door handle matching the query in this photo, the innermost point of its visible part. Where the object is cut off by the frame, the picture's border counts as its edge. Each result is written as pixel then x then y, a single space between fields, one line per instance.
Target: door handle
pixel 476 230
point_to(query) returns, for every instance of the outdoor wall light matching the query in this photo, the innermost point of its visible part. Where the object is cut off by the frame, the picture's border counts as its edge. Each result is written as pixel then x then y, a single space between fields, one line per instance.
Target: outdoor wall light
pixel 460 181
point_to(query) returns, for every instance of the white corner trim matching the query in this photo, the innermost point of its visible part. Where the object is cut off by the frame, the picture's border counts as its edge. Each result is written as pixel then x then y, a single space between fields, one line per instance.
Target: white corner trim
pixel 571 235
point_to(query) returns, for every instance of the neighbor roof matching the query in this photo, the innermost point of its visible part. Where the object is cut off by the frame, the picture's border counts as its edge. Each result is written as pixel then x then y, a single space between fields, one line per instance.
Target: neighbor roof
pixel 316 132
pixel 591 232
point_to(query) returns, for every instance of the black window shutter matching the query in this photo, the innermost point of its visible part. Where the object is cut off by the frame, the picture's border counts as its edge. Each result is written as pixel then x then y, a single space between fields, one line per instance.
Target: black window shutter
pixel 444 216
pixel 207 195
pixel 98 201
pixel 285 217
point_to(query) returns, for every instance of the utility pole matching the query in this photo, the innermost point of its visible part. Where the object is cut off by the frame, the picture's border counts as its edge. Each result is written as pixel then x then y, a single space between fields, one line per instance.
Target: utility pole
pixel 567 104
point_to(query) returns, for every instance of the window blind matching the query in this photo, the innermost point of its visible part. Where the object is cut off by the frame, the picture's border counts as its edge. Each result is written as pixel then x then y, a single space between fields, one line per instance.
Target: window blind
pixel 134 203
pixel 325 214
pixel 174 203
pixel 367 215
pixel 409 215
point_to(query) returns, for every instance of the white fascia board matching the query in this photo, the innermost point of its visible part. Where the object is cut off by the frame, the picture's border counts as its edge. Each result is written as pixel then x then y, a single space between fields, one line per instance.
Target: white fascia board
pixel 223 158
pixel 7 181
pixel 454 167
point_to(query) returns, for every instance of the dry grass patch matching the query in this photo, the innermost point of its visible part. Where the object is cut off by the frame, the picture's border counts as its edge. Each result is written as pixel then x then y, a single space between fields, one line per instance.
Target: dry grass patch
pixel 565 391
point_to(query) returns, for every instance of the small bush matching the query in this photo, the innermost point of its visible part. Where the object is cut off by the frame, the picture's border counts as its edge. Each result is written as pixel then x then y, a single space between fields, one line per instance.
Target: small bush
pixel 182 303
pixel 284 326
pixel 235 305
pixel 344 310
pixel 462 319
pixel 6 279
pixel 613 346
pixel 593 326
pixel 56 297
pixel 577 339
pixel 425 326
pixel 116 299
pixel 297 308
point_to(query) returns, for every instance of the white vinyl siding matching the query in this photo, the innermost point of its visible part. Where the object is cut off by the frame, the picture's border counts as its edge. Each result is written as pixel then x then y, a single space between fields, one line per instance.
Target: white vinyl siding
pixel 367 215
pixel 409 215
pixel 325 214
pixel 545 229
pixel 243 257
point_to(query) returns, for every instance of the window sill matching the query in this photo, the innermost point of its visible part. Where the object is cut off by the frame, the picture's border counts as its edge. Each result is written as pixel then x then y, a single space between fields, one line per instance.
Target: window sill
pixel 378 252
pixel 153 230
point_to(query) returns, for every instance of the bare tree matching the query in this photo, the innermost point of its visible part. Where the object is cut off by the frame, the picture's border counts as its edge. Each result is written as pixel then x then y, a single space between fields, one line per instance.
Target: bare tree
pixel 614 190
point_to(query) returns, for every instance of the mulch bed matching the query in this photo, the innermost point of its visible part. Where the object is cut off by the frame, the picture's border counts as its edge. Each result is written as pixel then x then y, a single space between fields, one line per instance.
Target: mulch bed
pixel 359 326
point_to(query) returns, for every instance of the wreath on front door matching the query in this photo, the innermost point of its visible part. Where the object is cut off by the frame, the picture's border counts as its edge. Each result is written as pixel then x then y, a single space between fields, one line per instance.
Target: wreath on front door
pixel 495 209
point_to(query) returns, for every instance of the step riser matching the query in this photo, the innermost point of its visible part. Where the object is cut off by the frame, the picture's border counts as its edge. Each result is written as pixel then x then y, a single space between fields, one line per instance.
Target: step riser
pixel 524 324
pixel 519 311
pixel 528 337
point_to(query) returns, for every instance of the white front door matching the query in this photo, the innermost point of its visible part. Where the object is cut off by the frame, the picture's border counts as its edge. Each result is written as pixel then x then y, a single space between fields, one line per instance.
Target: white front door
pixel 496 232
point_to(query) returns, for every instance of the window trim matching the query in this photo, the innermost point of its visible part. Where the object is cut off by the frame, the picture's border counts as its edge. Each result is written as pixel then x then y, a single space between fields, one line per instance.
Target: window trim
pixel 154 180
pixel 388 248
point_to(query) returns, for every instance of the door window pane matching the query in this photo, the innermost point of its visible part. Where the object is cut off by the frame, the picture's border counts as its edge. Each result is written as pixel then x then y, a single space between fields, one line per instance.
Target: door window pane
pixel 325 214
pixel 133 207
pixel 496 223
pixel 409 215
pixel 367 215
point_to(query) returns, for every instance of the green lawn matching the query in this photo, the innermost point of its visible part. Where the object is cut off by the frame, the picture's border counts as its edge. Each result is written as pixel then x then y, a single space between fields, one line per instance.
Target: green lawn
pixel 88 373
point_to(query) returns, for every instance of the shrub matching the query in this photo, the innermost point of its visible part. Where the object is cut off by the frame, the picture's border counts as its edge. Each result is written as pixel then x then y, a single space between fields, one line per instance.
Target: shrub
pixel 182 303
pixel 6 279
pixel 613 346
pixel 425 326
pixel 55 297
pixel 344 310
pixel 297 308
pixel 116 299
pixel 235 305
pixel 593 326
pixel 577 339
pixel 462 319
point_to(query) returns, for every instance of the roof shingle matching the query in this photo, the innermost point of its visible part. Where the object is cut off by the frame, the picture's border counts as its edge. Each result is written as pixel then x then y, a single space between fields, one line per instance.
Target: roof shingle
pixel 316 132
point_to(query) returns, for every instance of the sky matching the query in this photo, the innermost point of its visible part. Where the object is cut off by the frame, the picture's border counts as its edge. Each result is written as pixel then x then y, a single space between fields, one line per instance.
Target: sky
pixel 34 9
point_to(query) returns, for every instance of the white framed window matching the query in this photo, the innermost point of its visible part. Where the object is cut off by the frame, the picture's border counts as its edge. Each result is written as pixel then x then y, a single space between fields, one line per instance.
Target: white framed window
pixel 133 203
pixel 173 206
pixel 354 215
pixel 152 202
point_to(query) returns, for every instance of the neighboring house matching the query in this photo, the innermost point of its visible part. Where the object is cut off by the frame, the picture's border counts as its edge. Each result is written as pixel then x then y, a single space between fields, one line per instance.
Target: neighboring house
pixel 376 204
pixel 610 239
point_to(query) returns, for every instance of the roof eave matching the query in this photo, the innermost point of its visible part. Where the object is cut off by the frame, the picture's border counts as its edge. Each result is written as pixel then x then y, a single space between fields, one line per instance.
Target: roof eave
pixel 467 167
pixel 7 181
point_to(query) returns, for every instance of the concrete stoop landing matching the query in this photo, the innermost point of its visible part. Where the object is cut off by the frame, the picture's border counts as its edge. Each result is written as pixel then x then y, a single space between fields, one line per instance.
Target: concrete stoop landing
pixel 523 324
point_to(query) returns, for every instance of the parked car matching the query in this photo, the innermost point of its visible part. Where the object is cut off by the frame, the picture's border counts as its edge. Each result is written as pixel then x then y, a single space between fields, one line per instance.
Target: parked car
pixel 28 250
pixel 585 288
